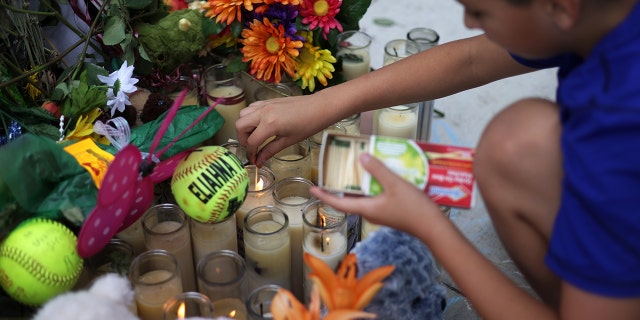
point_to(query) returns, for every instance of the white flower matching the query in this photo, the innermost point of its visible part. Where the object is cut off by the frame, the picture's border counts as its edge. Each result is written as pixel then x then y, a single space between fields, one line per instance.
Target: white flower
pixel 120 84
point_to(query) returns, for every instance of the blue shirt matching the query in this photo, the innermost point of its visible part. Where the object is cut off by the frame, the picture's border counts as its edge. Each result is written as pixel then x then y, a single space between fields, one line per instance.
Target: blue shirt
pixel 595 243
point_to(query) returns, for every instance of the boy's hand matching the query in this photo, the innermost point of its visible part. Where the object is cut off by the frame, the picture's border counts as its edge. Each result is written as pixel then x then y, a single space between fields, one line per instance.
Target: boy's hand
pixel 266 127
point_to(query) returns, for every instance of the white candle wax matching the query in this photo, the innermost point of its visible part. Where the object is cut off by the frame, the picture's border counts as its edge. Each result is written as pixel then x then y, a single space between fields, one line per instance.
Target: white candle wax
pixel 231 308
pixel 332 250
pixel 292 207
pixel 178 244
pixel 397 124
pixel 230 112
pixel 150 299
pixel 210 237
pixel 269 256
pixel 352 69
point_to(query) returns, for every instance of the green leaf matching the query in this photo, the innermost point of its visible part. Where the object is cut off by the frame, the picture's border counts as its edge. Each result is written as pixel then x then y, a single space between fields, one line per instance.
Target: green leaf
pixel 137 4
pixel 236 28
pixel 92 71
pixel 351 11
pixel 384 22
pixel 235 64
pixel 114 31
pixel 210 26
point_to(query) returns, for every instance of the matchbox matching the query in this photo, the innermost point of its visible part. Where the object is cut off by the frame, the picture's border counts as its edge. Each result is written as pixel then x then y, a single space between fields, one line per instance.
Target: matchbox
pixel 444 172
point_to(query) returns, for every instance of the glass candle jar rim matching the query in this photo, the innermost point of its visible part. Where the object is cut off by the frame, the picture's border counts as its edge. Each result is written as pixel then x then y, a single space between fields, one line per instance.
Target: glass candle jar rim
pixel 347 34
pixel 268 287
pixel 404 107
pixel 288 180
pixel 225 219
pixel 306 155
pixel 435 39
pixel 314 141
pixel 335 225
pixel 278 88
pixel 113 243
pixel 266 173
pixel 394 44
pixel 260 209
pixel 154 253
pixel 195 296
pixel 235 258
pixel 179 211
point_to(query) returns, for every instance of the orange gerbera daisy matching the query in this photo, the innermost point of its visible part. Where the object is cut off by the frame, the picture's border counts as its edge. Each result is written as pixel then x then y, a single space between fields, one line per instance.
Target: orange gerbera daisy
pixel 321 14
pixel 269 50
pixel 343 290
pixel 228 10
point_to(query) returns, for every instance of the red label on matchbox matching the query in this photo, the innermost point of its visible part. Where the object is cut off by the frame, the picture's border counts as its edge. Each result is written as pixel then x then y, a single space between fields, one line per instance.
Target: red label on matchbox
pixel 444 172
pixel 451 181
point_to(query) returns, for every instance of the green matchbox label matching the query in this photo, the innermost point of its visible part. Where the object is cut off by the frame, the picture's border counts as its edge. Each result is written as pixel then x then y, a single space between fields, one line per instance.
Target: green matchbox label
pixel 402 156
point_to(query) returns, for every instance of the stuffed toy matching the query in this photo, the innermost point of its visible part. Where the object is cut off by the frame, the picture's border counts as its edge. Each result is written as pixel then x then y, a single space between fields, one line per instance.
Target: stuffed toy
pixel 413 288
pixel 109 297
pixel 174 39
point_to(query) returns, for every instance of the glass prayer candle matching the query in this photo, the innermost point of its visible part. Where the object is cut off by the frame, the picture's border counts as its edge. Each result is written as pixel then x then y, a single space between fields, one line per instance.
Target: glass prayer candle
pixel 324 237
pixel 353 51
pixel 184 82
pixel 222 276
pixel 271 91
pixel 315 143
pixel 134 235
pixel 261 184
pixel 291 195
pixel 220 83
pixel 166 227
pixel 399 121
pixel 215 236
pixel 238 150
pixel 293 161
pixel 398 49
pixel 155 277
pixel 188 305
pixel 259 302
pixel 268 246
pixel 426 38
pixel 351 124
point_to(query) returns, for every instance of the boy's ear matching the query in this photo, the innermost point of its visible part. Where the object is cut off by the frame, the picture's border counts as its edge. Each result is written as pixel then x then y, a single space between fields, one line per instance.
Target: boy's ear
pixel 565 13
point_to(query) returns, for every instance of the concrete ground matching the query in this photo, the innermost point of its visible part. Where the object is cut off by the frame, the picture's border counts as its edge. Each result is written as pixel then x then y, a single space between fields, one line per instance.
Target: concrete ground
pixel 466 114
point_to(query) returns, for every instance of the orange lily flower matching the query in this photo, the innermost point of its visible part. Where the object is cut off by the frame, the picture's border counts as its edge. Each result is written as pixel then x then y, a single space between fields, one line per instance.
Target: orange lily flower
pixel 285 306
pixel 343 291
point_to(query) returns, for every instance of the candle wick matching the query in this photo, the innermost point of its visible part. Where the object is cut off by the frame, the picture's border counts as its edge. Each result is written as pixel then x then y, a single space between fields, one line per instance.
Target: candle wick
pixel 322 241
pixel 261 310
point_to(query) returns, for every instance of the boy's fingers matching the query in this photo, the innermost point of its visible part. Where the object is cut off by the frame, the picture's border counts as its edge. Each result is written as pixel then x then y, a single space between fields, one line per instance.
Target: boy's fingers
pixel 378 170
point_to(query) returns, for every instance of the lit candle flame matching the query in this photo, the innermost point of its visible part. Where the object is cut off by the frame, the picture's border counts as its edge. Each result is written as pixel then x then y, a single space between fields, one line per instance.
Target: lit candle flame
pixel 259 184
pixel 181 311
pixel 323 221
pixel 232 314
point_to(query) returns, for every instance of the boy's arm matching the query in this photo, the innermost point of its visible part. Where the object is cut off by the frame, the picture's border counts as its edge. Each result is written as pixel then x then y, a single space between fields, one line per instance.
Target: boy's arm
pixel 434 73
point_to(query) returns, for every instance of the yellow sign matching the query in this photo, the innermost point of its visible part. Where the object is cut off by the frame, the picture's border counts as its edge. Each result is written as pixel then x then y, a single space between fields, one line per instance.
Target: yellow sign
pixel 92 158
